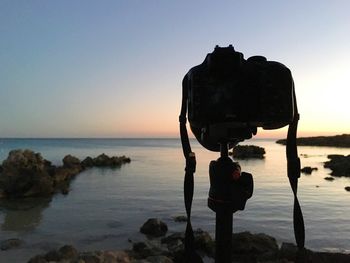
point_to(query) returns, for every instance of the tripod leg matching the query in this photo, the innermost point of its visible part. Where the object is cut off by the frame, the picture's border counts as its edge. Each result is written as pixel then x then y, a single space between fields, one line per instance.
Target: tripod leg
pixel 223 237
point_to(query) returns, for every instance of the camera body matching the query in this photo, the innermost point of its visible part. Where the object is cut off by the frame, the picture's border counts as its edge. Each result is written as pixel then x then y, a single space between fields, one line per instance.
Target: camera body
pixel 230 97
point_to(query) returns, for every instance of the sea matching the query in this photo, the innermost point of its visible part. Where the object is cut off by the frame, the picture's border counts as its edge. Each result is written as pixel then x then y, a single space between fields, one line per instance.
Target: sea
pixel 106 207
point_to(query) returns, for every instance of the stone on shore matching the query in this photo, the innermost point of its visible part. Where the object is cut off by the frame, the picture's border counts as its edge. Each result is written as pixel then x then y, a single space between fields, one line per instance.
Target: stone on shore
pixel 154 227
pixel 339 164
pixel 248 152
pixel 247 246
pixel 308 169
pixel 347 188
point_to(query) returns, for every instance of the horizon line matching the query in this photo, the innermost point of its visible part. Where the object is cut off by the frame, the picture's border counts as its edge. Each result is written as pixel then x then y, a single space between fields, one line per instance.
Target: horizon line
pixel 112 138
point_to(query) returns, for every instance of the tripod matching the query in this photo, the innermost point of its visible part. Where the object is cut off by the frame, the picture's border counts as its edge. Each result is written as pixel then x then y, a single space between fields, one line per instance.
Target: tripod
pixel 229 191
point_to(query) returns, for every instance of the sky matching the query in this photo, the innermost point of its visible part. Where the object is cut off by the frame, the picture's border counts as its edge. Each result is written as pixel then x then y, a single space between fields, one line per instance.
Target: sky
pixel 114 68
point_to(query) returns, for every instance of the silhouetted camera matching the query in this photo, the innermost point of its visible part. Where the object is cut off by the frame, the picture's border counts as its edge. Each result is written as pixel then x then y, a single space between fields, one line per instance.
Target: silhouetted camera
pixel 229 97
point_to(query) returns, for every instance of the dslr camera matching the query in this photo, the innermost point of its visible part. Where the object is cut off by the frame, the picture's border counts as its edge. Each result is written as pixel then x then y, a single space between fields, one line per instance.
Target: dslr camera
pixel 229 97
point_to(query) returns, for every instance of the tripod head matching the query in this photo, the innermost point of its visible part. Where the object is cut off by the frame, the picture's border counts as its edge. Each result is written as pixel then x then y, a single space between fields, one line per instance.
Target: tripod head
pixel 230 188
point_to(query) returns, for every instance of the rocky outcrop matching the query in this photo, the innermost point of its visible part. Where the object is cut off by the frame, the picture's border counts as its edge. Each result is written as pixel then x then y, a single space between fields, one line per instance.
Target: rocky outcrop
pixel 246 248
pixel 248 152
pixel 27 174
pixel 104 160
pixel 339 164
pixel 308 169
pixel 332 141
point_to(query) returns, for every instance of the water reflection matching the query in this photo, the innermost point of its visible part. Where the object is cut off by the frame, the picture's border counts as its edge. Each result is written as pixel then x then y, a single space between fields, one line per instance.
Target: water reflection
pixel 23 214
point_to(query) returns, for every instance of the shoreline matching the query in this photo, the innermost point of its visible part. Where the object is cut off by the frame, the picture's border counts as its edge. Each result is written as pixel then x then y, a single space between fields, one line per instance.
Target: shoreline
pixel 158 247
pixel 339 141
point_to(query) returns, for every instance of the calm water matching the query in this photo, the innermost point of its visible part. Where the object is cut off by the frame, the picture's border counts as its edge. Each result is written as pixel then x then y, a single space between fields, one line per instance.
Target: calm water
pixel 106 207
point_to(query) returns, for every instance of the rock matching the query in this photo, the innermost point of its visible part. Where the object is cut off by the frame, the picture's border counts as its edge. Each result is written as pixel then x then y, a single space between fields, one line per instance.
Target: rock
pixel 105 161
pixel 26 174
pixel 247 246
pixel 117 161
pixel 180 218
pixel 37 259
pixel 90 257
pixel 70 161
pixel 63 174
pixel 288 251
pixel 328 178
pixel 11 244
pixel 65 253
pixel 87 162
pixel 339 164
pixel 142 250
pixel 102 160
pixel 159 259
pixel 116 257
pixel 154 228
pixel 347 188
pixel 53 255
pixel 332 141
pixel 174 242
pixel 68 252
pixel 248 151
pixel 308 169
pixel 122 257
pixel 204 242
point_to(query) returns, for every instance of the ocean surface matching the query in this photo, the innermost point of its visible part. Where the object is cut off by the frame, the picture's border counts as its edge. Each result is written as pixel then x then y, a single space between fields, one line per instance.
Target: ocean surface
pixel 106 207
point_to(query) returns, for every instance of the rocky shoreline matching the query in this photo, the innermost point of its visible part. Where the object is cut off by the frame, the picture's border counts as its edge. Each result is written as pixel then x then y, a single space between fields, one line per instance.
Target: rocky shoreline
pixel 27 174
pixel 329 141
pixel 338 164
pixel 161 248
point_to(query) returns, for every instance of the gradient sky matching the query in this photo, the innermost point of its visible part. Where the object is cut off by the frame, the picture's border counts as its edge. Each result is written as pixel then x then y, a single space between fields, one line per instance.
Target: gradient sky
pixel 114 68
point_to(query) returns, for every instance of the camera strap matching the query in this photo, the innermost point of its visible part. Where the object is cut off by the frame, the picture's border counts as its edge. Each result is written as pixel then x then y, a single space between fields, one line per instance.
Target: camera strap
pixel 293 166
pixel 190 254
